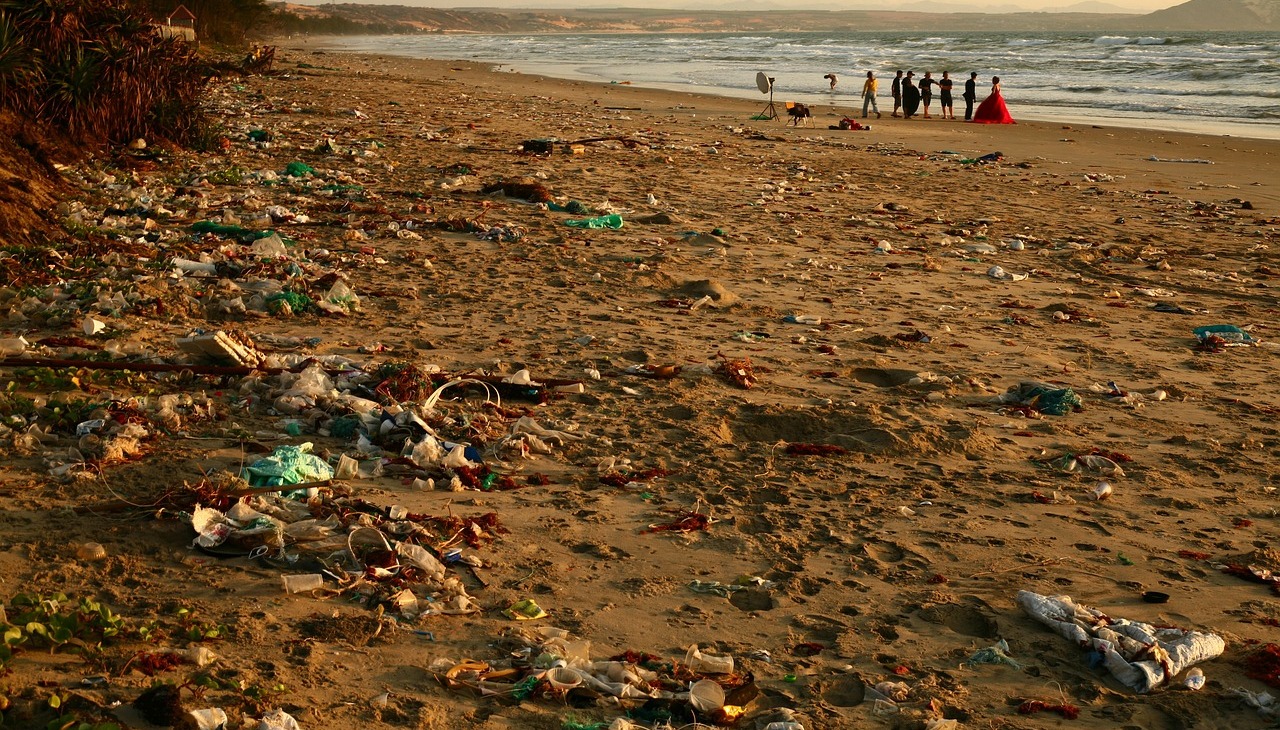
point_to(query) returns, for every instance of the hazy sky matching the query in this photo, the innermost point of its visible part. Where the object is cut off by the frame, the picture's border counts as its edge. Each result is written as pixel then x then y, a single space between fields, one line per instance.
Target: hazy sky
pixel 989 6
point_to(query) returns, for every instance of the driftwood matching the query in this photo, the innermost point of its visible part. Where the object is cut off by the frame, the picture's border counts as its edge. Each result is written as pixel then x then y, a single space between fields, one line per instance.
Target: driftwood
pixel 164 367
pixel 624 140
pixel 146 367
pixel 120 505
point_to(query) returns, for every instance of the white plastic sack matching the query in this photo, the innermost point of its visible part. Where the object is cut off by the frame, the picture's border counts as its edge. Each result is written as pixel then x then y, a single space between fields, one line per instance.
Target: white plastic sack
pixel 1141 656
pixel 278 720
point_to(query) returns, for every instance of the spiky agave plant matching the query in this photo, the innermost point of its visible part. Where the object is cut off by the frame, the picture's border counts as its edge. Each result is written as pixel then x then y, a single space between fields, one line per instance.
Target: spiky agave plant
pixel 18 72
pixel 96 68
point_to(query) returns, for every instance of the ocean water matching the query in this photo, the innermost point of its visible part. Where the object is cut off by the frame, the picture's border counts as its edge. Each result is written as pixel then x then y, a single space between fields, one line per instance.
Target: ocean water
pixel 1217 82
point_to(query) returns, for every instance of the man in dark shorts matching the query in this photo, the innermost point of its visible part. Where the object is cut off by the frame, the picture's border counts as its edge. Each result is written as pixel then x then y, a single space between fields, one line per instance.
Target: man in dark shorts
pixel 944 90
pixel 896 88
pixel 970 94
pixel 926 91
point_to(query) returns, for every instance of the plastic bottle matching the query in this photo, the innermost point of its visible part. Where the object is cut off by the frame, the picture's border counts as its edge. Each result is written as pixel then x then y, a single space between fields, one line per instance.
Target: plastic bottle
pixel 303 583
pixel 13 346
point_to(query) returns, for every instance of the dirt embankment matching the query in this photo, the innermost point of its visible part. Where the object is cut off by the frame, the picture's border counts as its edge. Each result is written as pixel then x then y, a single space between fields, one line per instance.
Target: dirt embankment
pixel 29 184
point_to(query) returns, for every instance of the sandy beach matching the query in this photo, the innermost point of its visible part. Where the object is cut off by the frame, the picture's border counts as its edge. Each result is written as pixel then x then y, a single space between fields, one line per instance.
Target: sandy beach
pixel 879 290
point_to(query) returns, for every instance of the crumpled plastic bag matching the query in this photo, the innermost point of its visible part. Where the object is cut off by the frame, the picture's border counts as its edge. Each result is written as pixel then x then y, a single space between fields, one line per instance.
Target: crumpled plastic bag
pixel 1141 656
pixel 1043 397
pixel 613 221
pixel 288 465
pixel 997 653
pixel 1229 333
pixel 278 720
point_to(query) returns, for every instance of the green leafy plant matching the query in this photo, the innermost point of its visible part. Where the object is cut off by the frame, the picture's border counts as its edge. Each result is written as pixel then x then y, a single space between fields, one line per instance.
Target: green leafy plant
pixel 192 629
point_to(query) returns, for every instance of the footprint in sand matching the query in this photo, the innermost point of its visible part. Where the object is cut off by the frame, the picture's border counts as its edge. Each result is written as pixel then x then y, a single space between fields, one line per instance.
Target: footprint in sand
pixel 846 691
pixel 883 377
pixel 752 600
pixel 884 552
pixel 961 619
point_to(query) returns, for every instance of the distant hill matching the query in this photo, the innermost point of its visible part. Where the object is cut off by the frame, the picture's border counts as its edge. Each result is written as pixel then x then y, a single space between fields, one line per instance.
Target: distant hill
pixel 368 18
pixel 400 18
pixel 1216 15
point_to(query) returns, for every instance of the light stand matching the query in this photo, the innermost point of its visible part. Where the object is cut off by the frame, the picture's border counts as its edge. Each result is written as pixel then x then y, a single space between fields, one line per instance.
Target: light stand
pixel 765 84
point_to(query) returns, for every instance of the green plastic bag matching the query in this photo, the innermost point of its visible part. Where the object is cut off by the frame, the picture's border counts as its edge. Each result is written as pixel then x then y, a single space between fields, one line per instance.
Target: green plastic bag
pixel 295 302
pixel 1055 402
pixel 288 465
pixel 572 206
pixel 298 169
pixel 613 221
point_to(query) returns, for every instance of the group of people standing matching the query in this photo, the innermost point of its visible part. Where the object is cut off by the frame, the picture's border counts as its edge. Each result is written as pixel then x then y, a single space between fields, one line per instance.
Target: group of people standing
pixel 909 97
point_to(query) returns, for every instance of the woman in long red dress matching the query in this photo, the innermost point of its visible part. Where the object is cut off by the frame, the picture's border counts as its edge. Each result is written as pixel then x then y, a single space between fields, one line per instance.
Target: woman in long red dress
pixel 992 109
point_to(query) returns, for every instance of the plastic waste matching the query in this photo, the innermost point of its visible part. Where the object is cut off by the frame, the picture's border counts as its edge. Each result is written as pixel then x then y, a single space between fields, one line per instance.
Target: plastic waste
pixel 457 457
pixel 998 272
pixel 1229 333
pixel 13 346
pixel 1043 397
pixel 348 468
pixel 1139 655
pixel 269 247
pixel 303 583
pixel 563 678
pixel 525 610
pixel 91 551
pixel 278 720
pixel 802 319
pixel 612 220
pixel 288 465
pixel 997 653
pixel 1195 679
pixel 706 663
pixel 298 169
pixel 420 558
pixel 187 266
pixel 706 696
pixel 210 719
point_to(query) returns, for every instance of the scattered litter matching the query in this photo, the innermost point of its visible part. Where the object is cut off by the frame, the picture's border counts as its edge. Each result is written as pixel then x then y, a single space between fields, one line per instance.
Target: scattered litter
pixel 1140 656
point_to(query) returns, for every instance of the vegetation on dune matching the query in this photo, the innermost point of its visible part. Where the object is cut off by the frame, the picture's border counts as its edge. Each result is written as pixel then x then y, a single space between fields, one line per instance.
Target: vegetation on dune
pixel 96 69
pixel 219 21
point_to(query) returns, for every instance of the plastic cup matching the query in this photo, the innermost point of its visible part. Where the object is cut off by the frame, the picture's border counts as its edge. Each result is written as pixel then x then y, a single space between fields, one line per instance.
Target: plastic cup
pixel 303 583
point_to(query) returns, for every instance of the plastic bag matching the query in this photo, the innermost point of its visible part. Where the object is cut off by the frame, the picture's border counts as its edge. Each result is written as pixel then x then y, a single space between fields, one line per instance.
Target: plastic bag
pixel 613 221
pixel 288 465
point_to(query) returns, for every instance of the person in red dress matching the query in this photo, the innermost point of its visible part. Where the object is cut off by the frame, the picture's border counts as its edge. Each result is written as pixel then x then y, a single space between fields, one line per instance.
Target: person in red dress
pixel 992 109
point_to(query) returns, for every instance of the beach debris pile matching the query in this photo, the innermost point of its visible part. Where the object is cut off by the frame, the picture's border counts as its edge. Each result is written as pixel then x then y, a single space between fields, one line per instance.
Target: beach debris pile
pixel 549 663
pixel 1141 656
pixel 328 545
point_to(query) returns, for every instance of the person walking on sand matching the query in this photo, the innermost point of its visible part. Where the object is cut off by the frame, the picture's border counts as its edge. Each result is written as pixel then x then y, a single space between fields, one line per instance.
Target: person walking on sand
pixel 970 94
pixel 992 109
pixel 926 92
pixel 944 96
pixel 869 88
pixel 896 89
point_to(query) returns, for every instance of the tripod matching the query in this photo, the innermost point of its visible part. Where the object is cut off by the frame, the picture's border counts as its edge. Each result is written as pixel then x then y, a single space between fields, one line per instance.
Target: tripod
pixel 770 111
